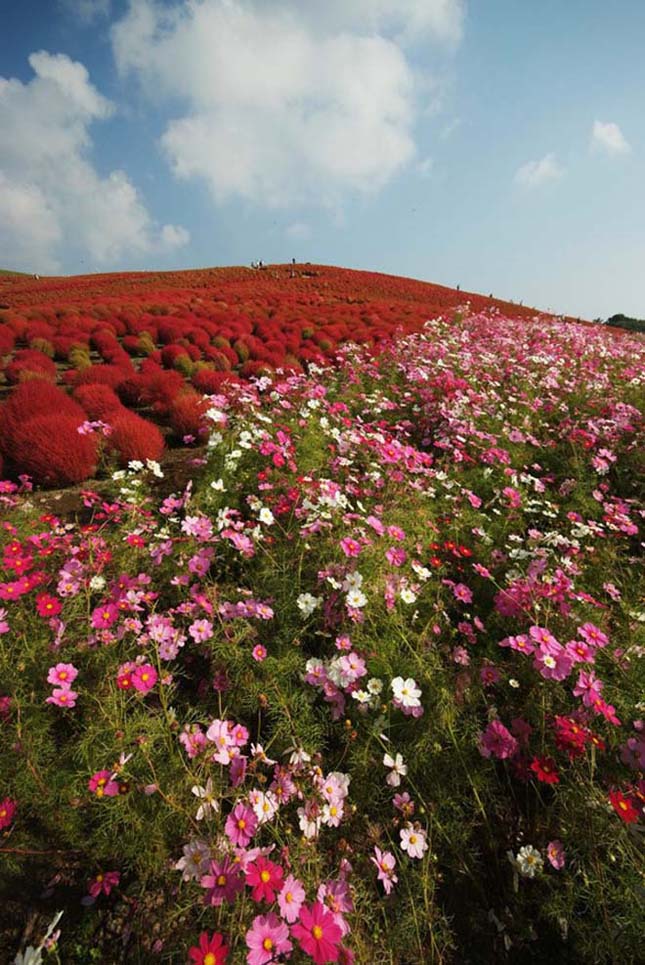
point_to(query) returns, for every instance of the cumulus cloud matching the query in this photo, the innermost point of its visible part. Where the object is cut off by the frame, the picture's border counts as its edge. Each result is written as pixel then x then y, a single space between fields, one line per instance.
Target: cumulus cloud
pixel 534 173
pixel 289 103
pixel 609 138
pixel 52 200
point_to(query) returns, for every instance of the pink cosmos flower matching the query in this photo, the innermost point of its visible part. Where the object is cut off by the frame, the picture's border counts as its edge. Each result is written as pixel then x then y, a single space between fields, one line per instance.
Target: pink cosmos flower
pixel 291 898
pixel 350 547
pixel 318 933
pixel 396 556
pixel 593 636
pixel 462 592
pixel 385 863
pixel 201 630
pixel 219 733
pixel 223 882
pixel 103 883
pixel 588 687
pixel 555 854
pixel 552 661
pixel 497 741
pixel 241 824
pixel 8 809
pixel 63 674
pixel 63 697
pixel 144 677
pixel 259 652
pixel 267 939
pixel 580 651
pixel 265 878
pixel 103 785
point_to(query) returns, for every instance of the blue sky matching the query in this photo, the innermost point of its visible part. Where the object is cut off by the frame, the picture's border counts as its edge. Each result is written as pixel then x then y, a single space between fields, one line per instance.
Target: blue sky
pixel 497 145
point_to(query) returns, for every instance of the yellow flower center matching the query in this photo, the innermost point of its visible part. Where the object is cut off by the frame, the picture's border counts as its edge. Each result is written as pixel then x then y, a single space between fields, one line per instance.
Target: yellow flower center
pixel 241 824
pixel 62 675
pixel 209 959
pixel 221 880
pixel 267 944
pixel 333 811
pixel 413 839
pixel 288 897
pixel 265 876
pixel 317 932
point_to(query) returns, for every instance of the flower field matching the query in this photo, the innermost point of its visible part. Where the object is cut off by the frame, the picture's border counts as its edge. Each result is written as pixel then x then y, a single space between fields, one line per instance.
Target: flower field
pixel 370 687
pixel 136 352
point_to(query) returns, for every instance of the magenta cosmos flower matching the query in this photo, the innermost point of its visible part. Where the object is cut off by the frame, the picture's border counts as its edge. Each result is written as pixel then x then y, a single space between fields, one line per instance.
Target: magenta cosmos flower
pixel 223 883
pixel 266 939
pixel 103 883
pixel 144 677
pixel 104 616
pixel 318 933
pixel 102 784
pixel 8 809
pixel 241 824
pixel 497 741
pixel 265 878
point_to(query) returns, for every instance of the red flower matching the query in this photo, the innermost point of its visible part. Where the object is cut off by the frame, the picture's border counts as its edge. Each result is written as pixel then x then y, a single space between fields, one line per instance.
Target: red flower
pixel 623 807
pixel 545 769
pixel 265 878
pixel 48 606
pixel 211 951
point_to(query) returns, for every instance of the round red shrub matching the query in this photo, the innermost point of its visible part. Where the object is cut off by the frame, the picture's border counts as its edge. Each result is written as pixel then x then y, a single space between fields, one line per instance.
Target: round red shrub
pixel 99 401
pixel 187 415
pixel 135 438
pixel 51 450
pixel 111 375
pixel 29 361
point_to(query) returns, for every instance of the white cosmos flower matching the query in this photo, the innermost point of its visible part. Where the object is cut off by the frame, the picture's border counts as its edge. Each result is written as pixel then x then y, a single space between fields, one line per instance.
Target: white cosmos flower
pixel 207 798
pixel 529 861
pixel 398 769
pixel 308 603
pixel 406 692
pixel 356 599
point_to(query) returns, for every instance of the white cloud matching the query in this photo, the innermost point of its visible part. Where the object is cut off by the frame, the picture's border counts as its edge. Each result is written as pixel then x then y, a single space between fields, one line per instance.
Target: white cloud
pixel 534 173
pixel 52 200
pixel 285 104
pixel 609 138
pixel 87 11
pixel 425 167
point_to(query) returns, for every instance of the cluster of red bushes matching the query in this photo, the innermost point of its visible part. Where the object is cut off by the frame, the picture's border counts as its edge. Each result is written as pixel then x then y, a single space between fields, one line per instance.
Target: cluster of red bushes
pixel 97 347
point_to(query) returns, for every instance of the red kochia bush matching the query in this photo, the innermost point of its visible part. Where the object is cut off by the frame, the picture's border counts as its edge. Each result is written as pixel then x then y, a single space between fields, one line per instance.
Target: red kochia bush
pixel 51 450
pixel 98 401
pixel 111 375
pixel 29 363
pixel 187 415
pixel 32 398
pixel 7 340
pixel 135 438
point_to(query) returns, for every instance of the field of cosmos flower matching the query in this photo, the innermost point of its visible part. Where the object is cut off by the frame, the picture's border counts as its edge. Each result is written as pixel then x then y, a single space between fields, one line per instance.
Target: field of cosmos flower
pixel 335 653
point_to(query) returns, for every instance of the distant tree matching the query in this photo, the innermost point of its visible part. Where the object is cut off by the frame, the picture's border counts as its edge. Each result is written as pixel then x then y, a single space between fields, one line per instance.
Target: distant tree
pixel 624 321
